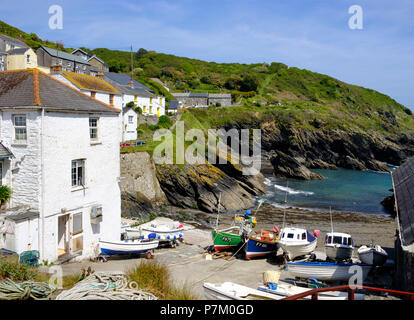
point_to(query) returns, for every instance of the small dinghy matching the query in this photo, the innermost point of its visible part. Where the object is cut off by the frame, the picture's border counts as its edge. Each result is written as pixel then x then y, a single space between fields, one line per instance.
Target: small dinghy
pixel 234 291
pixel 262 244
pixel 297 242
pixel 339 246
pixel 285 289
pixel 163 232
pixel 371 254
pixel 110 248
pixel 327 271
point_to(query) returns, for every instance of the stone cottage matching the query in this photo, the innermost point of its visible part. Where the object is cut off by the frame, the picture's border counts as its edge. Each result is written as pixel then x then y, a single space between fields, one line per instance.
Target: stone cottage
pixel 61 159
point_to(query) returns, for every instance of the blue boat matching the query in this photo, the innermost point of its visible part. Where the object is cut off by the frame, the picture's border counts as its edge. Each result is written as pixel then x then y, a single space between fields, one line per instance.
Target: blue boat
pixel 262 244
pixel 127 247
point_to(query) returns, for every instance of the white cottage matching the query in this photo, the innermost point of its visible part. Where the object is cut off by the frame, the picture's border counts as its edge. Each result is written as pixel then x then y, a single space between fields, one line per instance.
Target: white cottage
pixel 63 167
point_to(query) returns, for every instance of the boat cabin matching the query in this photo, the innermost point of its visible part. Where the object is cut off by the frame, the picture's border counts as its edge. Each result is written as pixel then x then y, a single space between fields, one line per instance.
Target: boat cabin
pixel 296 234
pixel 339 238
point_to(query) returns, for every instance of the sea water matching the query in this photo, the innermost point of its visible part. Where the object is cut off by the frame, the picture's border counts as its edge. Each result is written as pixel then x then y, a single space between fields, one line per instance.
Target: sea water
pixel 342 190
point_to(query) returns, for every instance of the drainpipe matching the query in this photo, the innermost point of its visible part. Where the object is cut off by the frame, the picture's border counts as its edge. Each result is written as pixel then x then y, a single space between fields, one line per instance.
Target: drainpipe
pixel 42 211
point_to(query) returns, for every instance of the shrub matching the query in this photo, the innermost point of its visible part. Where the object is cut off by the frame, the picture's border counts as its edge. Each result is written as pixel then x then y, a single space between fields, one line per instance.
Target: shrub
pixel 5 193
pixel 155 278
pixel 165 122
pixel 17 271
pixel 130 104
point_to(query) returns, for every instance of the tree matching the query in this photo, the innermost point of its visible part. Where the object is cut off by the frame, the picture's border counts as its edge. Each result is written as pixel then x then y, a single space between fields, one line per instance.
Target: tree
pixel 249 82
pixel 141 52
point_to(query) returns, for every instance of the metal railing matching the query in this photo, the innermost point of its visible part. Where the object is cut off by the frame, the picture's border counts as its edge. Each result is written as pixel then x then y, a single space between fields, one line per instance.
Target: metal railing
pixel 351 292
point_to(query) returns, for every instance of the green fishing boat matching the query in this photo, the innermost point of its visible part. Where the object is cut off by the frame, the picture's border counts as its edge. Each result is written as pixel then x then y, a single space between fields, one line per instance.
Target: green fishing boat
pixel 227 239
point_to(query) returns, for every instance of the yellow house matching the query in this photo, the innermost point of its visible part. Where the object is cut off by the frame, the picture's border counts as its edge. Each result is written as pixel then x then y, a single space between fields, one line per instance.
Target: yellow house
pixel 21 58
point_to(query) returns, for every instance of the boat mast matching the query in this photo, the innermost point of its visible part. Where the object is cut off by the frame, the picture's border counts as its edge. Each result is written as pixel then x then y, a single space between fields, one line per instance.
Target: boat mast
pixel 330 213
pixel 284 209
pixel 218 210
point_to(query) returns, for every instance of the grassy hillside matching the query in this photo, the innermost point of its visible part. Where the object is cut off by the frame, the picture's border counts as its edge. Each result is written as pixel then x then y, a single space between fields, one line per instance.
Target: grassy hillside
pixel 274 89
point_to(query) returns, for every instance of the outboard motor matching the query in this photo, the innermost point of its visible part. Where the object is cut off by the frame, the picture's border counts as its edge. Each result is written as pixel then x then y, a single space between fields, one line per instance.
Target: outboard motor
pixel 316 233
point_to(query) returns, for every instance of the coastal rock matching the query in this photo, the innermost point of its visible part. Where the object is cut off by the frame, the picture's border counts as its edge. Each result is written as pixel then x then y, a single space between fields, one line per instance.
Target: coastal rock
pixel 200 186
pixel 389 204
pixel 136 205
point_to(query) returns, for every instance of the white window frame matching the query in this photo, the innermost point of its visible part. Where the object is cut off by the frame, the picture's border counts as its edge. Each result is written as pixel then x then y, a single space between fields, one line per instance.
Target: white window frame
pixel 130 119
pixel 28 58
pixel 96 128
pixel 15 127
pixel 77 164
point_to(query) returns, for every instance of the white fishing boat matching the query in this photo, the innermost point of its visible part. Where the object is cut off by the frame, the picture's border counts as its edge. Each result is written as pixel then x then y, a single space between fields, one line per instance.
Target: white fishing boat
pixel 234 291
pixel 339 246
pixel 327 271
pixel 285 289
pixel 164 232
pixel 297 242
pixel 371 254
pixel 110 248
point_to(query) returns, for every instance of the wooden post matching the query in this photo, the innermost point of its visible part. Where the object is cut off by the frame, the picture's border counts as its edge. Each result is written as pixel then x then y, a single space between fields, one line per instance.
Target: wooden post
pixel 351 294
pixel 315 296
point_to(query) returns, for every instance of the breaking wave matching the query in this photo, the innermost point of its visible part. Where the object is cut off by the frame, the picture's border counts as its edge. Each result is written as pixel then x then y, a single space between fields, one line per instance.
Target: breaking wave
pixel 292 191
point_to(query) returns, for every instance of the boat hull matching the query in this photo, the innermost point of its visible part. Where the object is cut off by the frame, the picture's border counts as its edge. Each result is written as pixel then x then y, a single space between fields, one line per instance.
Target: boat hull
pixel 255 248
pixel 127 247
pixel 373 257
pixel 325 271
pixel 162 236
pixel 226 241
pixel 297 250
pixel 338 252
pixel 233 291
pixel 286 290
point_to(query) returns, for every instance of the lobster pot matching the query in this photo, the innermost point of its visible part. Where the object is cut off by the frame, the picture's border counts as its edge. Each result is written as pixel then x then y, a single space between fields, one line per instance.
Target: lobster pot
pixel 271 277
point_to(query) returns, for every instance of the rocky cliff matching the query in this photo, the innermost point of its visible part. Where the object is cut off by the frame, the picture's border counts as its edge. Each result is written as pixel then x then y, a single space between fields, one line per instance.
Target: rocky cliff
pixel 293 151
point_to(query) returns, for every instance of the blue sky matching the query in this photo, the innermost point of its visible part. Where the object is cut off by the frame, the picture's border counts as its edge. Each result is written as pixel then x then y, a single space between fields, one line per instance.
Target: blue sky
pixel 311 34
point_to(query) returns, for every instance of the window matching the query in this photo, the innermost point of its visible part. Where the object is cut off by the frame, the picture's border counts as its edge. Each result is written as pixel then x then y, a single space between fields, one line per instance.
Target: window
pixel 135 98
pixel 20 129
pixel 290 235
pixel 93 128
pixel 12 46
pixel 304 236
pixel 150 100
pixel 60 61
pixel 68 64
pixel 130 119
pixel 84 67
pixel 1 173
pixel 78 173
pixel 93 94
pixel 337 240
pixel 111 99
pixel 150 111
pixel 28 58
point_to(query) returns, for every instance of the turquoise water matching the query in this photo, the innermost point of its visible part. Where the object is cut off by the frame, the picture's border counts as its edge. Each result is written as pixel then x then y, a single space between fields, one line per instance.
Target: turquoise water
pixel 343 190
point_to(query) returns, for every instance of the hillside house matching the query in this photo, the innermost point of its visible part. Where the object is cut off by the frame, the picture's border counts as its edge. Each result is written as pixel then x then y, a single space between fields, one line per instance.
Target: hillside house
pixel 201 100
pixel 142 96
pixel 97 65
pixel 60 156
pixel 48 57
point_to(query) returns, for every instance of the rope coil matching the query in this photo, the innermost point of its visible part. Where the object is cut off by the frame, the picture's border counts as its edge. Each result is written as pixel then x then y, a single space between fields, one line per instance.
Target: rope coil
pixel 9 290
pixel 104 286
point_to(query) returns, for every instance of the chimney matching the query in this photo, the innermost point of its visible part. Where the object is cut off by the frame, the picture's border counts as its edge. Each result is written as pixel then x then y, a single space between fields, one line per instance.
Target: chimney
pixel 55 69
pixel 100 75
pixel 131 83
pixel 20 37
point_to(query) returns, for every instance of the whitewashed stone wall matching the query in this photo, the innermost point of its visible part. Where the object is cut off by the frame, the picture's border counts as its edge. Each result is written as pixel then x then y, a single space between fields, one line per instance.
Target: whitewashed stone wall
pixel 130 129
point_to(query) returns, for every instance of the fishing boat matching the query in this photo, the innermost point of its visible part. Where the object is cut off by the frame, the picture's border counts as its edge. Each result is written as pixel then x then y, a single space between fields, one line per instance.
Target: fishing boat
pixel 163 232
pixel 326 271
pixel 297 242
pixel 234 291
pixel 286 289
pixel 262 244
pixel 227 239
pixel 339 246
pixel 371 254
pixel 109 248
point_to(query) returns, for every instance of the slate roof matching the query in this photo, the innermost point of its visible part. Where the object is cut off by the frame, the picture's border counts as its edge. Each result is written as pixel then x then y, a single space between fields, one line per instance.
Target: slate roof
pixel 18 51
pixel 173 104
pixel 34 88
pixel 403 179
pixel 190 94
pixel 133 91
pixel 124 79
pixel 64 55
pixel 87 82
pixel 5 153
pixel 14 41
